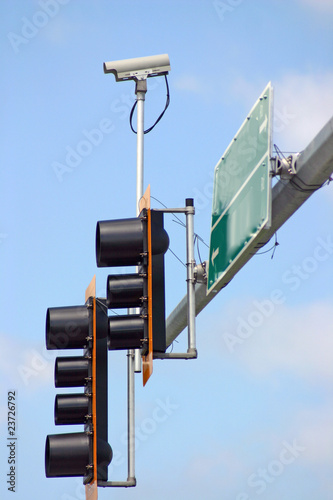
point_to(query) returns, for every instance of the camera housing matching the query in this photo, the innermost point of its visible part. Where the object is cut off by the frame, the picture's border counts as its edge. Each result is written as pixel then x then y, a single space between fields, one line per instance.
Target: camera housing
pixel 138 68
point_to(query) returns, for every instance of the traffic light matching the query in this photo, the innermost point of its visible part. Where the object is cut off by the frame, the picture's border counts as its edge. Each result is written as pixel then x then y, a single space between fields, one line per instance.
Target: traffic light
pixel 141 242
pixel 85 453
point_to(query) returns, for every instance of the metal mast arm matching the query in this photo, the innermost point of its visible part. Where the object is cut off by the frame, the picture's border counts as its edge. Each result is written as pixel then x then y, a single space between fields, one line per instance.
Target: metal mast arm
pixel 314 167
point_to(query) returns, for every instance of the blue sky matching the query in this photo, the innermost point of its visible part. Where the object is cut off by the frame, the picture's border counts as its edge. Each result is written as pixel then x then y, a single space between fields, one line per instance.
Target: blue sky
pixel 247 421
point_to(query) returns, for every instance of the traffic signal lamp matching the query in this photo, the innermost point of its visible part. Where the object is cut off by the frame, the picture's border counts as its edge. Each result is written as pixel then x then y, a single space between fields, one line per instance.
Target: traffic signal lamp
pixel 141 242
pixel 85 453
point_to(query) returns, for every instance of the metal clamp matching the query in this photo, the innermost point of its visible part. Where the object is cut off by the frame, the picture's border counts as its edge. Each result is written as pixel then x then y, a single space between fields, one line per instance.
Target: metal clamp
pixel 286 168
pixel 200 273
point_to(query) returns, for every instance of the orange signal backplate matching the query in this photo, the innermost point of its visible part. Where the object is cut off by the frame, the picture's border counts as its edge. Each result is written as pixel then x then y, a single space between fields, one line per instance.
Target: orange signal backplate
pixel 91 488
pixel 147 361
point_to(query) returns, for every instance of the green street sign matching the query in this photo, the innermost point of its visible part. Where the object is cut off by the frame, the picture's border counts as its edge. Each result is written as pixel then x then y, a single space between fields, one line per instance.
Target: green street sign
pixel 242 192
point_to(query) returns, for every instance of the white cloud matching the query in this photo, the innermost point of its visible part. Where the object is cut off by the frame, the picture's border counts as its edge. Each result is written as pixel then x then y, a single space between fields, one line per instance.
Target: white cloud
pixel 315 432
pixel 320 5
pixel 303 105
pixel 25 366
pixel 189 83
pixel 58 31
pixel 245 89
pixel 219 468
pixel 295 341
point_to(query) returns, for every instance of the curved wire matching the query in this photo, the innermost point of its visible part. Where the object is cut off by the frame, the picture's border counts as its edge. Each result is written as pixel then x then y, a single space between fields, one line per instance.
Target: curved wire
pixel 297 183
pixel 197 237
pixel 276 244
pixel 159 118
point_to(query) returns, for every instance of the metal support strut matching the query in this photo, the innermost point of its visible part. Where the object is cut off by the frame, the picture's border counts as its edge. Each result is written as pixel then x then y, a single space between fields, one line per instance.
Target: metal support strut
pixel 190 279
pixel 131 481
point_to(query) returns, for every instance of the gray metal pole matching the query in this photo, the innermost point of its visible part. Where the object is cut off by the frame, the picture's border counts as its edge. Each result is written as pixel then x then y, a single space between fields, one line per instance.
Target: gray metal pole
pixel 140 91
pixel 131 416
pixel 190 262
pixel 314 167
pixel 134 356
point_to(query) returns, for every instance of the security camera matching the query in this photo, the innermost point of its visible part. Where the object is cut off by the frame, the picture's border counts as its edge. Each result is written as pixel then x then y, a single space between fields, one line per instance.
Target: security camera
pixel 138 68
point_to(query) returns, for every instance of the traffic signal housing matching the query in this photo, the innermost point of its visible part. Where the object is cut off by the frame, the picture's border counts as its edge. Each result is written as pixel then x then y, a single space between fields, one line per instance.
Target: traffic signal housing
pixel 86 453
pixel 141 242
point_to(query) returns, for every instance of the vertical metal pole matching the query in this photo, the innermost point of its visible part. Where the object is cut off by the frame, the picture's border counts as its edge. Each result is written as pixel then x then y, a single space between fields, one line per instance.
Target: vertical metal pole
pixel 130 416
pixel 140 91
pixel 133 356
pixel 190 263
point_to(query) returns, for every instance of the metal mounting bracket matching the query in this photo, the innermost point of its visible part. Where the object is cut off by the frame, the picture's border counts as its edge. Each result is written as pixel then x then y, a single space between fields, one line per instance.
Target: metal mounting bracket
pixel 191 281
pixel 286 168
pixel 200 273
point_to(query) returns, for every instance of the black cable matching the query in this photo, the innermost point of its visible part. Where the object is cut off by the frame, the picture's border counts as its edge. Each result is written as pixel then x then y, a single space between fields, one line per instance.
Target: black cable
pixel 278 151
pixel 276 244
pixel 171 345
pixel 173 253
pixel 308 188
pixel 200 239
pixel 114 312
pixel 102 304
pixel 197 238
pixel 159 118
pixel 296 182
pixel 282 153
pixel 180 222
